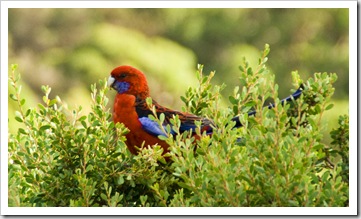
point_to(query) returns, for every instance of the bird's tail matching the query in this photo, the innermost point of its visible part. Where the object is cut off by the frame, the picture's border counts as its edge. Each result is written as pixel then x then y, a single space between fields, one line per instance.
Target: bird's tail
pixel 294 96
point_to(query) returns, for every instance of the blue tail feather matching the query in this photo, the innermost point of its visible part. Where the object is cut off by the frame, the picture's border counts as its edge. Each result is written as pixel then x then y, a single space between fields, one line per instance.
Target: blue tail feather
pixel 294 96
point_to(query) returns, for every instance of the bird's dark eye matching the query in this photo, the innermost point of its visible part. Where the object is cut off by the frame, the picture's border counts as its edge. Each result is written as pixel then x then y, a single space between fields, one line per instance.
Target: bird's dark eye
pixel 122 76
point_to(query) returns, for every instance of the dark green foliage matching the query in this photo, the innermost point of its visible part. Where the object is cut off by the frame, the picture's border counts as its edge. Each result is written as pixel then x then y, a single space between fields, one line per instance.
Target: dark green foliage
pixel 340 145
pixel 64 159
pixel 61 157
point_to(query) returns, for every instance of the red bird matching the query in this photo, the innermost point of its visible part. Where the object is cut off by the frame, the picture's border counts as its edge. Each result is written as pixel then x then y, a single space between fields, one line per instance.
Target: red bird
pixel 130 108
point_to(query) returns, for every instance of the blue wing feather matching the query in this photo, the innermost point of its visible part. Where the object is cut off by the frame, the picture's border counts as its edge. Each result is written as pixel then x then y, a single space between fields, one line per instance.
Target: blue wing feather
pixel 187 120
pixel 152 127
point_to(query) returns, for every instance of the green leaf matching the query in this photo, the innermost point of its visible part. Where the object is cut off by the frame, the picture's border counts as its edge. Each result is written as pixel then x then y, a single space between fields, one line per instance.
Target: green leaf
pixel 241 68
pixel 18 118
pixel 103 196
pixel 161 117
pixel 44 127
pixel 29 179
pixel 233 100
pixel 41 106
pixel 318 146
pixel 120 180
pixel 266 49
pixel 143 199
pixel 52 102
pixel 149 101
pixel 329 106
pixel 89 168
pixel 13 97
pixel 22 131
pixel 45 100
pixel 20 153
pixel 84 124
pixel 14 67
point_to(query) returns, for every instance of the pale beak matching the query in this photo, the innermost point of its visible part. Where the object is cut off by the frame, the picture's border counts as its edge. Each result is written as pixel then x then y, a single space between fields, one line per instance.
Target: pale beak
pixel 111 81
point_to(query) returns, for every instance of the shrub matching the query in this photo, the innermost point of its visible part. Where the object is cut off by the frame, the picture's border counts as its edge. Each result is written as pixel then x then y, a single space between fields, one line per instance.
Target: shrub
pixel 60 157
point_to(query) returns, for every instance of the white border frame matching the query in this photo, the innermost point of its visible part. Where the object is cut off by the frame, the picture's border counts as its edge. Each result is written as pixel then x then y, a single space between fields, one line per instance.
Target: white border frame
pixel 351 210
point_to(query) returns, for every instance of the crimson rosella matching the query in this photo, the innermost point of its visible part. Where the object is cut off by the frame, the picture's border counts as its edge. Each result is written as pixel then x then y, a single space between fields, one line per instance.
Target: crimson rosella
pixel 131 109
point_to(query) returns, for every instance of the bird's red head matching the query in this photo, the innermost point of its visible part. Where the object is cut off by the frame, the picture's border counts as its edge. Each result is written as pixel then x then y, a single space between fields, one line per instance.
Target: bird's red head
pixel 128 80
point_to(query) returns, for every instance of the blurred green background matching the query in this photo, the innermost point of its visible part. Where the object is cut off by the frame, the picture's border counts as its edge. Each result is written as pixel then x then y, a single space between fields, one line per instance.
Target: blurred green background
pixel 69 49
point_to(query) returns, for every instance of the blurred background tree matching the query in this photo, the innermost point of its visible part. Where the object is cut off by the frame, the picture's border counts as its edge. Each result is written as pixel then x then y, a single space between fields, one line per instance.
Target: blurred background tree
pixel 69 49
